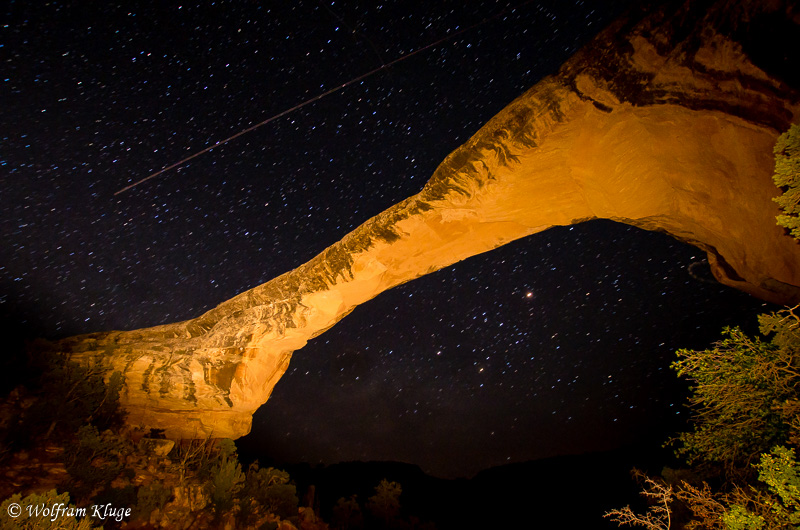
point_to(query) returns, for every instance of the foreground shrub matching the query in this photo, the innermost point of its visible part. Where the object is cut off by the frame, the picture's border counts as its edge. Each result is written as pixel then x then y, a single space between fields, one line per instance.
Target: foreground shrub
pixel 744 393
pixel 42 512
pixel 227 478
pixel 272 489
pixel 150 498
pixel 93 460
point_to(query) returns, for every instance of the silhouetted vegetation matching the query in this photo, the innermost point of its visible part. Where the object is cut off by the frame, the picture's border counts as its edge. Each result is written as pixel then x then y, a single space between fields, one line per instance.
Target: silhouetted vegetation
pixel 384 506
pixel 347 514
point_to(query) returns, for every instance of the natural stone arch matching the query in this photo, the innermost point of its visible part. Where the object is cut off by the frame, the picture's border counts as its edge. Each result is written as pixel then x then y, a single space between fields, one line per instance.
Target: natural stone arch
pixel 662 129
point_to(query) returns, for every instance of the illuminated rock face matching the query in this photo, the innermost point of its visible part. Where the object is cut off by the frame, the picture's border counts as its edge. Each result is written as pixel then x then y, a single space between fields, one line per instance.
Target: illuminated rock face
pixel 652 125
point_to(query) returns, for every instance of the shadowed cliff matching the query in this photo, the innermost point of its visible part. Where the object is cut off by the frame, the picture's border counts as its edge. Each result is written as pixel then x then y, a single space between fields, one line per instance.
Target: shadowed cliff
pixel 666 121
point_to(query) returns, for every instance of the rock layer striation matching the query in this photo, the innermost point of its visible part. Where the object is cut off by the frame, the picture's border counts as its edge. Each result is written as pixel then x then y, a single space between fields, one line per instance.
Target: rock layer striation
pixel 666 121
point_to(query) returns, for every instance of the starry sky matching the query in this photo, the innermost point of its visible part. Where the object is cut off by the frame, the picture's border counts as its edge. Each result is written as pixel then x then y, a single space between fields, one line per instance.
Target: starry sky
pixel 556 344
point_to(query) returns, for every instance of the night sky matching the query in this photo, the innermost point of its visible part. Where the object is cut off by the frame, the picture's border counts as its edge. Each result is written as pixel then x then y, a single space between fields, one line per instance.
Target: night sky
pixel 556 344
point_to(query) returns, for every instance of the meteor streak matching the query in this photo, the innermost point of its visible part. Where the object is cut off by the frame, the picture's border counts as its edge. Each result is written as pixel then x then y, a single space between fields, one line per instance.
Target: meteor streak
pixel 315 98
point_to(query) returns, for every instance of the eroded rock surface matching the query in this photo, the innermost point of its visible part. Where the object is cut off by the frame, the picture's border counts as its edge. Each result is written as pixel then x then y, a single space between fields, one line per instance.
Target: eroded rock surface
pixel 665 122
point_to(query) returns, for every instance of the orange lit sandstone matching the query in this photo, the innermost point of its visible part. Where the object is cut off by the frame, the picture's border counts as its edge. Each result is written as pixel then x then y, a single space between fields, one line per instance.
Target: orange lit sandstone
pixel 641 128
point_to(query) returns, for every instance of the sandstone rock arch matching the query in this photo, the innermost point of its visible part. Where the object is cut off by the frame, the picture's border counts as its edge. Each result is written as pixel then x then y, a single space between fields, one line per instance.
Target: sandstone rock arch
pixel 663 122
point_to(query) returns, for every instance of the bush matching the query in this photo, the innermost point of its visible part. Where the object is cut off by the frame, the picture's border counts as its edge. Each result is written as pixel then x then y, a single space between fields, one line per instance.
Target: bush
pixel 195 457
pixel 227 478
pixel 744 393
pixel 29 519
pixel 787 177
pixel 659 497
pixel 347 514
pixel 122 498
pixel 73 394
pixel 773 503
pixel 272 489
pixel 745 399
pixel 150 498
pixel 66 396
pixel 93 460
pixel 777 507
pixel 385 504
